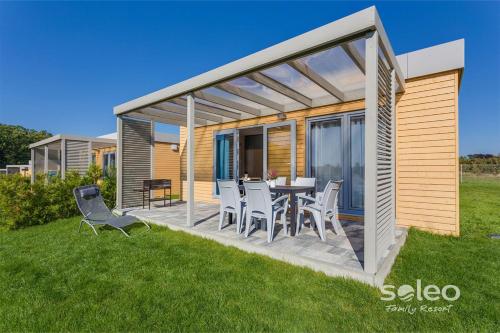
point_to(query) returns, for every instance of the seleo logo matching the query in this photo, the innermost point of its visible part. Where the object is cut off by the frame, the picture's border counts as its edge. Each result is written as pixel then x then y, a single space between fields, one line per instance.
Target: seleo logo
pixel 430 292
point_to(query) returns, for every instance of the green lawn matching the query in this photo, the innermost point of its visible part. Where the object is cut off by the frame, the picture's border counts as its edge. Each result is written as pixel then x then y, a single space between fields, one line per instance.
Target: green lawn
pixel 54 279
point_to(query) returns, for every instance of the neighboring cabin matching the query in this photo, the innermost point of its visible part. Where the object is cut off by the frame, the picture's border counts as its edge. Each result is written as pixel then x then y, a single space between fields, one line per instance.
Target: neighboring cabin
pixel 61 153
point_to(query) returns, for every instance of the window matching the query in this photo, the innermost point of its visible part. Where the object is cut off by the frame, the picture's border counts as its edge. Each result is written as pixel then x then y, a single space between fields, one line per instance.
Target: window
pixel 108 162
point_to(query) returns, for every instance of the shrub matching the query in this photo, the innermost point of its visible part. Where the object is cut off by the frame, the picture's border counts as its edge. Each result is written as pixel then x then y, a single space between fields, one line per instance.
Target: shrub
pixel 23 204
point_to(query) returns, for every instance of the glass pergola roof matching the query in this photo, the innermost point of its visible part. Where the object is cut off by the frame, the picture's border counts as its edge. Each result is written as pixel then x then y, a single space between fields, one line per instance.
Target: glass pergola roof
pixel 315 76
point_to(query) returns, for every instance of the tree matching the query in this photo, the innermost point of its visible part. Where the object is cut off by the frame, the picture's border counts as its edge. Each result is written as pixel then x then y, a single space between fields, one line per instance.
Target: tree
pixel 15 141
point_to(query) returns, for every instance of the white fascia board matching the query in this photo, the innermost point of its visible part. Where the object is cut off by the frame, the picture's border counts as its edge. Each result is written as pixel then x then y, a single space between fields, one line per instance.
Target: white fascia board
pixel 357 23
pixel 71 137
pixel 45 141
pixel 389 52
pixel 434 59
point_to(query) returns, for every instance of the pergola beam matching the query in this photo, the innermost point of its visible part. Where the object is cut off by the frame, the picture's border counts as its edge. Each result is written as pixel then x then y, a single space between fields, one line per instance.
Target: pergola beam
pixel 152 111
pixel 227 103
pixel 182 111
pixel 280 88
pixel 232 89
pixel 355 56
pixel 208 109
pixel 163 119
pixel 308 72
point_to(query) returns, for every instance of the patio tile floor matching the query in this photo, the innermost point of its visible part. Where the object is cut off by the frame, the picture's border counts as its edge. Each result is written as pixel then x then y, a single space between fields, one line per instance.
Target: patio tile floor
pixel 339 255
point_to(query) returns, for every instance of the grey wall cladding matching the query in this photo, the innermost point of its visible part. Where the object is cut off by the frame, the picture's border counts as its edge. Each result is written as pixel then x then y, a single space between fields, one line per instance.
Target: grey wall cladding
pixel 136 159
pixel 77 156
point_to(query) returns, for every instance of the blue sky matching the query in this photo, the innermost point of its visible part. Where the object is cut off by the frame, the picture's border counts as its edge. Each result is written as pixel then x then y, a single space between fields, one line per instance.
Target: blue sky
pixel 63 66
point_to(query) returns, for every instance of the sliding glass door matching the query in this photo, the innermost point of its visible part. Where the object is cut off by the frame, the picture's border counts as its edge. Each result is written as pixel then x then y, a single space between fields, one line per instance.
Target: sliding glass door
pixel 335 150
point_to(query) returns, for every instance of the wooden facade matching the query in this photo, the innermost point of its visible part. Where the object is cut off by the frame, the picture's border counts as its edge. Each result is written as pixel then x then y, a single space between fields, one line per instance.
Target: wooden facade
pixel 426 151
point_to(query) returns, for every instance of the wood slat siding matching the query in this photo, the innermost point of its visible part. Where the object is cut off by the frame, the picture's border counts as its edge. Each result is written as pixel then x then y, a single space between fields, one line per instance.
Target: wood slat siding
pixel 77 156
pixel 427 154
pixel 279 150
pixel 167 165
pixel 136 159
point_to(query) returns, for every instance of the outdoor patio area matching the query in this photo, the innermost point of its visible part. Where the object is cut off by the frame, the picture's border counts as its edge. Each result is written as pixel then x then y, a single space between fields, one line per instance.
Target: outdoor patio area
pixel 340 255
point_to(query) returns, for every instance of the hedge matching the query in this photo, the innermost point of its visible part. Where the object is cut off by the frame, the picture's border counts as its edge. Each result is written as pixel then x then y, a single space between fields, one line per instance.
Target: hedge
pixel 23 204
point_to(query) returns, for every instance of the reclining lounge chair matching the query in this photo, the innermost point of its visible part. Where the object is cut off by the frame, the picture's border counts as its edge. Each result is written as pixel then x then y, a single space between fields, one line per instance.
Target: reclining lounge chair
pixel 96 213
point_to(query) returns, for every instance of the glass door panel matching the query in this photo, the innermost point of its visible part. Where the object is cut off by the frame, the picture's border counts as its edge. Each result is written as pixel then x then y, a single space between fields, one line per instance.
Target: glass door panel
pixel 357 135
pixel 223 158
pixel 336 151
pixel 326 155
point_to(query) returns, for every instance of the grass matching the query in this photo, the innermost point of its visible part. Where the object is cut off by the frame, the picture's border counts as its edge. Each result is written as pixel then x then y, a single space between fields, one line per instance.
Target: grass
pixel 54 279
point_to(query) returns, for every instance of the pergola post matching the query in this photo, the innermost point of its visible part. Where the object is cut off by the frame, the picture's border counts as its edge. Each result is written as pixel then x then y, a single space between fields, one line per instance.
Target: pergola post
pixel 119 165
pixel 371 119
pixel 46 160
pixel 63 158
pixel 33 165
pixel 190 159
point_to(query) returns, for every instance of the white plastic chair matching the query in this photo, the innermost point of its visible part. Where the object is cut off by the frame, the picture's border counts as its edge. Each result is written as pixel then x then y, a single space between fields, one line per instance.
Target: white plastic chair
pixel 231 202
pixel 322 208
pixel 281 181
pixel 261 206
pixel 303 181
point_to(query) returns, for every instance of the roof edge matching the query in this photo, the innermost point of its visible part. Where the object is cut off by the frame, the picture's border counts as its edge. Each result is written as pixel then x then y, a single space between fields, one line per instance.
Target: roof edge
pixel 359 22
pixel 434 59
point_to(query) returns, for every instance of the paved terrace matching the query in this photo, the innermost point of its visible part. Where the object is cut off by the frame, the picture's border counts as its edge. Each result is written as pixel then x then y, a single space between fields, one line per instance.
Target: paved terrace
pixel 340 255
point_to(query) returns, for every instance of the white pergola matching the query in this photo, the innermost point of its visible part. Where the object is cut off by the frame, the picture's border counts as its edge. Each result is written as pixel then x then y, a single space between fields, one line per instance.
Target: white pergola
pixel 348 59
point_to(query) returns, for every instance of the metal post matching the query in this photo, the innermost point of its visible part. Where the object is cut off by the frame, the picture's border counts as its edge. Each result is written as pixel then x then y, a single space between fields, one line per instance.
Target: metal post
pixel 119 165
pixel 63 158
pixel 46 161
pixel 371 106
pixel 152 155
pixel 190 159
pixel 33 170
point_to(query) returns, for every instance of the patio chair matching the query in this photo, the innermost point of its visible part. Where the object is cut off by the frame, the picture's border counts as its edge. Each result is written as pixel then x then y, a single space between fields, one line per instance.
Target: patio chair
pixel 303 181
pixel 96 213
pixel 326 206
pixel 261 206
pixel 281 181
pixel 231 202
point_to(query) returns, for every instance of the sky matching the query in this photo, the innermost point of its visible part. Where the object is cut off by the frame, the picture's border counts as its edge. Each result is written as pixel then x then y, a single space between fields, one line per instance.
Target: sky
pixel 64 65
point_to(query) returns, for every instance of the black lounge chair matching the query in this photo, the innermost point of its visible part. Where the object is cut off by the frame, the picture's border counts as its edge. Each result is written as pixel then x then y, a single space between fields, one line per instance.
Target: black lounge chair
pixel 96 213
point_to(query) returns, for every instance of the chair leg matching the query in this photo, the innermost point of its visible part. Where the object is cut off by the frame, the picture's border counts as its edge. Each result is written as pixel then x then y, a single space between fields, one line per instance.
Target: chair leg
pixel 270 228
pixel 248 224
pixel 242 219
pixel 283 221
pixel 320 224
pixel 222 215
pixel 300 222
pixel 80 227
pixel 123 231
pixel 335 223
pixel 147 225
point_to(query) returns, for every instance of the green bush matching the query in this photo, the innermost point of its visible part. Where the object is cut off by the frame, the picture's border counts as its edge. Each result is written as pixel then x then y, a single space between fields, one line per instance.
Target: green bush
pixel 23 204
